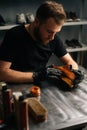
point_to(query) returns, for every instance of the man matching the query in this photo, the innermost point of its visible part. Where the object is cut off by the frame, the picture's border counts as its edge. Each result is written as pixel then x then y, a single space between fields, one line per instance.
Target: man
pixel 27 48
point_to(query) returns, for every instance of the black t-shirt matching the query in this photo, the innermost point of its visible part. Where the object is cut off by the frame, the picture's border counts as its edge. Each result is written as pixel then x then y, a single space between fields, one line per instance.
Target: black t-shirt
pixel 26 54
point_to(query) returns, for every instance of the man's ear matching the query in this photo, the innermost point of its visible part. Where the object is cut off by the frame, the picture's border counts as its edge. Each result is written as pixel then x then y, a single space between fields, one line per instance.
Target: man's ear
pixel 37 22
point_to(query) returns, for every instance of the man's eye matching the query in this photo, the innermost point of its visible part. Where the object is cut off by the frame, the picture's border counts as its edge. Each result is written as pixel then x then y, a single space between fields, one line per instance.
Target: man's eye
pixel 50 32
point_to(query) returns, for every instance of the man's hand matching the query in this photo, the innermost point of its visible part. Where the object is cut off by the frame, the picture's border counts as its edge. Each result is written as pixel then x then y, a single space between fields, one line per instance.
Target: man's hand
pixel 39 75
pixel 79 76
pixel 45 73
pixel 53 73
pixel 69 76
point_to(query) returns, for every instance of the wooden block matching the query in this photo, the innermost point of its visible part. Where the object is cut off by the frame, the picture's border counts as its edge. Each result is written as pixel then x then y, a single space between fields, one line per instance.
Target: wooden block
pixel 37 110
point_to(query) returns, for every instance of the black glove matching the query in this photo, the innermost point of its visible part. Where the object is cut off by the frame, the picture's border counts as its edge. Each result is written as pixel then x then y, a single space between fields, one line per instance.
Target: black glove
pixel 66 82
pixel 39 75
pixel 53 73
pixel 46 72
pixel 66 77
pixel 79 76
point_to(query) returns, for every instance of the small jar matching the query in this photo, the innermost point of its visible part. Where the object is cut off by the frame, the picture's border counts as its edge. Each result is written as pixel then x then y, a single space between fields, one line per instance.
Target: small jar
pixel 35 92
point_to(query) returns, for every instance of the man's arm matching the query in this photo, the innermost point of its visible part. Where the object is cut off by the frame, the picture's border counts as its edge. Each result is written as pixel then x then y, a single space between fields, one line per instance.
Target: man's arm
pixel 68 60
pixel 9 75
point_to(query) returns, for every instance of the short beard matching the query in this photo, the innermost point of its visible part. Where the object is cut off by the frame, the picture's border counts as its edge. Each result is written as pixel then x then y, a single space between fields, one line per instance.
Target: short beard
pixel 37 35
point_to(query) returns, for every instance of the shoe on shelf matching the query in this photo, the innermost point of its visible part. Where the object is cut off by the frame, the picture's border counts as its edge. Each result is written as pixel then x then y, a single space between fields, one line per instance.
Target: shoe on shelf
pixel 68 19
pixel 69 43
pixel 76 43
pixel 73 16
pixel 29 17
pixel 20 18
pixel 2 21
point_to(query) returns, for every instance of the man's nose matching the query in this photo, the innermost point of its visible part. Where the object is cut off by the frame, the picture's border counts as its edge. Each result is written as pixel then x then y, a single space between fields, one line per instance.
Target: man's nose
pixel 51 36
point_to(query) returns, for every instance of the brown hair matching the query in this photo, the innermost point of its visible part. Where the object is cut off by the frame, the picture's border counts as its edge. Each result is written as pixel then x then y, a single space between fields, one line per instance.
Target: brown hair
pixel 51 9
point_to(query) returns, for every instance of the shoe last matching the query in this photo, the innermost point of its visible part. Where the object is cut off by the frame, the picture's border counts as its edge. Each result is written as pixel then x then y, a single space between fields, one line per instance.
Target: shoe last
pixel 29 17
pixel 20 18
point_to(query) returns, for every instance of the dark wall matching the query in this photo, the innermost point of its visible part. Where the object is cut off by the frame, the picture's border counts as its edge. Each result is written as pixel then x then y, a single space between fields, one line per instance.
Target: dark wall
pixel 9 8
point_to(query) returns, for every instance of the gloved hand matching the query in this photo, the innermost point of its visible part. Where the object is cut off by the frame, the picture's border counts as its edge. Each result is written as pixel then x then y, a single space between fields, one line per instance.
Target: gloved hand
pixel 46 72
pixel 53 73
pixel 69 77
pixel 79 76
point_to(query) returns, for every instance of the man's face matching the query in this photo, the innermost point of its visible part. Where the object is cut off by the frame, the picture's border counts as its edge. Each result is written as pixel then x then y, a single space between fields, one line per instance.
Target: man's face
pixel 45 32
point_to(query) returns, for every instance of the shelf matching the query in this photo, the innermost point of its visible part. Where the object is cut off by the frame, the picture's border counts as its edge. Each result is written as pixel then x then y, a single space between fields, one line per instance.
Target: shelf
pixel 84 48
pixel 82 22
pixel 7 26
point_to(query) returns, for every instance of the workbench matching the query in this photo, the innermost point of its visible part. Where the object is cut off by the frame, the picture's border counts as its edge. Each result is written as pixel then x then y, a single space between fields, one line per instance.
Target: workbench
pixel 67 109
